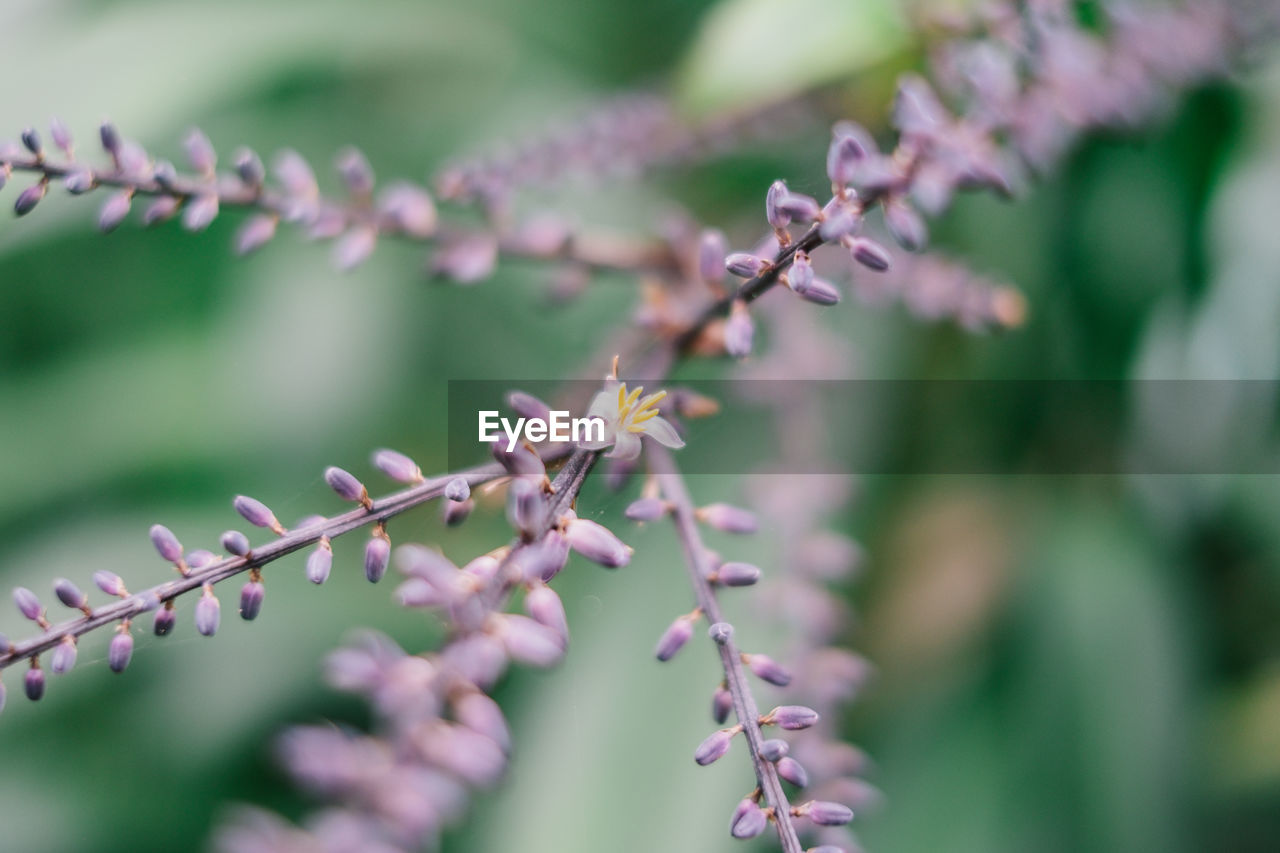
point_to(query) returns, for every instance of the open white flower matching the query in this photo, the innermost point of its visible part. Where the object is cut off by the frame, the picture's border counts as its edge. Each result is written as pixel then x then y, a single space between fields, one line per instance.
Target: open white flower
pixel 627 416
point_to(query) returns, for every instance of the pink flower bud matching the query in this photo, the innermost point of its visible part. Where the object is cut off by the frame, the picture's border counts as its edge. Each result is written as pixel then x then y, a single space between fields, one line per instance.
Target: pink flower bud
pixel 749 820
pixel 397 466
pixel 597 543
pixel 728 518
pixel 767 669
pixel 793 717
pixel 714 747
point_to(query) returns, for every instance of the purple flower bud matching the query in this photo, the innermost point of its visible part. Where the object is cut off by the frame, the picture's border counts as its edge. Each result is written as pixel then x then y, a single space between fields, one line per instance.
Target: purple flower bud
pixel 28 604
pixel 523 461
pixel 714 747
pixel 798 207
pixel 208 612
pixel 905 224
pixel 457 489
pixel 354 247
pixel 916 109
pixel 79 181
pixel 737 574
pixel 120 651
pixel 249 167
pixel 251 595
pixel 466 259
pixel 821 292
pixel 114 210
pixel 200 558
pixel 355 171
pixel 33 684
pixel 484 716
pixel 712 249
pixel 346 485
pixel 767 669
pixel 790 769
pixel 456 512
pixel 749 820
pixel 646 509
pixel 319 562
pixel 235 543
pixel 778 218
pixel 69 594
pixel 728 518
pixel 530 642
pixel 839 223
pixel 200 212
pixel 545 607
pixel 720 633
pixel 377 555
pixel 256 513
pixel 166 543
pixel 849 146
pixel 739 331
pixel 200 153
pixel 674 638
pixel 419 592
pixel 774 749
pixel 721 705
pixel 745 265
pixel 162 209
pixel 793 717
pixel 397 466
pixel 64 656
pixel 166 174
pixel 597 543
pixel 31 139
pixel 543 560
pixel 525 508
pixel 870 254
pixel 61 135
pixel 800 275
pixel 110 138
pixel 827 814
pixel 256 232
pixel 110 583
pixel 528 406
pixel 164 621
pixel 29 198
pixel 410 209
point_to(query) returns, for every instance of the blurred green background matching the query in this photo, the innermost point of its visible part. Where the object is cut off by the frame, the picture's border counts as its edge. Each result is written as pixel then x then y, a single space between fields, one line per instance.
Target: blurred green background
pixel 1065 663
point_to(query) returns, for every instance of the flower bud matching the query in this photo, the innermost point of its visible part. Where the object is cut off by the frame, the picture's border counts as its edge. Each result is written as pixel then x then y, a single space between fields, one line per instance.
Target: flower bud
pixel 778 218
pixel 166 174
pixel 737 574
pixel 525 508
pixel 61 135
pixel 355 171
pixel 110 583
pixel 33 684
pixel 721 705
pixel 377 555
pixel 251 595
pixel 456 512
pixel 749 820
pixel 767 669
pixel 739 330
pixel 346 485
pixel 728 518
pixel 646 509
pixel 110 138
pixel 597 543
pixel 544 559
pixel 29 198
pixel 774 749
pixel 840 222
pixel 69 594
pixel 28 604
pixel 467 259
pixel 798 207
pixel 166 543
pixel 457 489
pixel 200 558
pixel 419 592
pixel 827 814
pixel 200 212
pixel 530 642
pixel 545 607
pixel 256 513
pixel 800 274
pixel 410 209
pixel 162 209
pixel 354 247
pixel 320 562
pixel 714 747
pixel 114 210
pixel 208 612
pixel 848 149
pixel 712 249
pixel 821 292
pixel 870 254
pixel 235 543
pixel 165 619
pixel 793 717
pixel 200 153
pixel 256 232
pixel 720 633
pixel 790 769
pixel 745 265
pixel 484 716
pixel 79 181
pixel 397 466
pixel 120 651
pixel 64 656
pixel 674 638
pixel 31 139
pixel 905 224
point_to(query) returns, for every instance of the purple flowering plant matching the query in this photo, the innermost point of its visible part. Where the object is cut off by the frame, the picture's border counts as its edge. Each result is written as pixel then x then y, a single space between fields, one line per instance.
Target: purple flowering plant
pixel 1007 90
